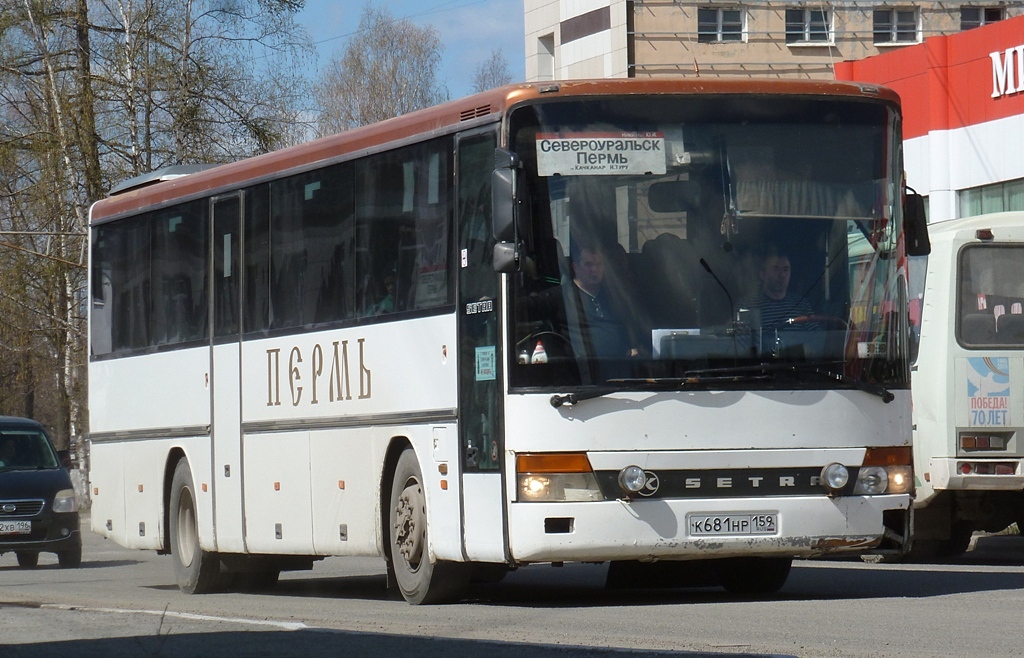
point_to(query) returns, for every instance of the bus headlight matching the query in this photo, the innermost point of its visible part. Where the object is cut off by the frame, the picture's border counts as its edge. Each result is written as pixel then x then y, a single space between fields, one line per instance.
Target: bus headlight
pixel 556 477
pixel 884 480
pixel 871 480
pixel 558 487
pixel 632 479
pixel 886 471
pixel 835 476
pixel 901 479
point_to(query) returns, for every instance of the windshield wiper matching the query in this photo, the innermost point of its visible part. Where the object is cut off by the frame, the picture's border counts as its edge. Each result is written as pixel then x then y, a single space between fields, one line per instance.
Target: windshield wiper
pixel 839 376
pixel 819 368
pixel 658 383
pixel 573 399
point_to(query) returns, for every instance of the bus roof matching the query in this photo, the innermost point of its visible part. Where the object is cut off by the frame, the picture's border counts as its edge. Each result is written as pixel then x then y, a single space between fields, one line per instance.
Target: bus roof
pixel 1004 225
pixel 143 192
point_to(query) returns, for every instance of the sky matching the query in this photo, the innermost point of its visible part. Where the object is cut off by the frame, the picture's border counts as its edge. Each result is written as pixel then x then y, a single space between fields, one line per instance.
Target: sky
pixel 469 30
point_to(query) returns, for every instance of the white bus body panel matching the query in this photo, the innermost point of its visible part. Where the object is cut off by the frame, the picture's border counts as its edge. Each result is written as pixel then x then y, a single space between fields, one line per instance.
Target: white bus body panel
pixel 940 376
pixel 319 411
pixel 704 430
pixel 127 479
pixel 308 458
pixel 107 490
pixel 393 368
pixel 710 420
pixel 162 390
pixel 807 527
pixel 227 449
pixel 485 535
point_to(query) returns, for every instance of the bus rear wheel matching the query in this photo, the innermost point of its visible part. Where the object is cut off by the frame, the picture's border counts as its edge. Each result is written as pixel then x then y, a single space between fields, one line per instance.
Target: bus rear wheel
pixel 420 580
pixel 196 570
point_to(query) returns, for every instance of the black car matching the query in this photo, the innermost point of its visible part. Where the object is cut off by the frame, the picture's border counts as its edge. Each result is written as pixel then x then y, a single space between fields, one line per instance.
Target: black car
pixel 38 507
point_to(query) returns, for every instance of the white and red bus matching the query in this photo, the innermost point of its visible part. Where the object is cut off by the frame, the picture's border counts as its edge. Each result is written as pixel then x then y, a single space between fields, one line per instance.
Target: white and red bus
pixel 374 344
pixel 967 382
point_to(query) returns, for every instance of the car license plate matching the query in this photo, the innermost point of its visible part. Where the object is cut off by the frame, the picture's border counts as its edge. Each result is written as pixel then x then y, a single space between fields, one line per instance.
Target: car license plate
pixel 15 527
pixel 753 523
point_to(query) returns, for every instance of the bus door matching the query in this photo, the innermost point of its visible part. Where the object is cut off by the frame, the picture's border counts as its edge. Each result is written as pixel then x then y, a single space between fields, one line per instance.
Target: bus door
pixel 225 374
pixel 484 527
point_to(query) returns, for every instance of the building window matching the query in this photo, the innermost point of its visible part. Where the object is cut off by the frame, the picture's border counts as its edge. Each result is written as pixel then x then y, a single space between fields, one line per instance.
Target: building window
pixel 546 57
pixel 719 25
pixel 997 197
pixel 896 26
pixel 808 25
pixel 972 17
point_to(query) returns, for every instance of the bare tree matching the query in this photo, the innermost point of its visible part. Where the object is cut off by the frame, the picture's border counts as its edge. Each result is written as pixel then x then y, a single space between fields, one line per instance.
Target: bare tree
pixel 493 72
pixel 388 69
pixel 48 168
pixel 197 81
pixel 92 92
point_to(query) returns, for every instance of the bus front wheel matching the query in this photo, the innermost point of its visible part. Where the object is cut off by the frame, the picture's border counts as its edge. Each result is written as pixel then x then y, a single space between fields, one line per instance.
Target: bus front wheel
pixel 419 579
pixel 196 570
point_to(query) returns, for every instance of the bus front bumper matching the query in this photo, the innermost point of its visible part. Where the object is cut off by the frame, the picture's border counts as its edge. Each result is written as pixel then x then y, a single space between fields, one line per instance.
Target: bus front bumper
pixel 801 527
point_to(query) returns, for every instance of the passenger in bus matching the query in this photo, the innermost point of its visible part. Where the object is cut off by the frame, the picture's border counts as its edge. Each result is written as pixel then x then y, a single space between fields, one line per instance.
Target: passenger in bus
pixel 387 303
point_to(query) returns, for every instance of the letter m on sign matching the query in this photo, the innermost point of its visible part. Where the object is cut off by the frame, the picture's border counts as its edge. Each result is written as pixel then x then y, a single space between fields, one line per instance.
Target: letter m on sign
pixel 1002 71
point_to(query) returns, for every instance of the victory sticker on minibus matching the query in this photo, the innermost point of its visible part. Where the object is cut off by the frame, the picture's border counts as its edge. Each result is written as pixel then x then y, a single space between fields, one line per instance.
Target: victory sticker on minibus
pixel 600 153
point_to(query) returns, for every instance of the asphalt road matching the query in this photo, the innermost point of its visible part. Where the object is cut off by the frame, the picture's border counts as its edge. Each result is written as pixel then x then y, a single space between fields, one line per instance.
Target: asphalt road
pixel 124 603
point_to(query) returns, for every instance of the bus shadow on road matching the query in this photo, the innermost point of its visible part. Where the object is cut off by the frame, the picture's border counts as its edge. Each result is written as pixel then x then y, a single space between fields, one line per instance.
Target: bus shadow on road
pixel 994 563
pixel 583 586
pixel 97 564
pixel 314 642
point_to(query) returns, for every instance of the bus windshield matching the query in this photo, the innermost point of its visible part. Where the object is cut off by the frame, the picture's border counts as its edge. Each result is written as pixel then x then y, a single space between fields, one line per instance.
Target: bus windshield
pixel 708 242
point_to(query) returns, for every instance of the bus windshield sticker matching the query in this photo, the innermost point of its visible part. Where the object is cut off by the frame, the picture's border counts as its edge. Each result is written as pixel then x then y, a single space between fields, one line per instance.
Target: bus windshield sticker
pixel 486 363
pixel 600 153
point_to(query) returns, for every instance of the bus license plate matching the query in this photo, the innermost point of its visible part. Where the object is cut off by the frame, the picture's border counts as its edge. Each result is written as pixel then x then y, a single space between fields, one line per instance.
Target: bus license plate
pixel 15 527
pixel 758 523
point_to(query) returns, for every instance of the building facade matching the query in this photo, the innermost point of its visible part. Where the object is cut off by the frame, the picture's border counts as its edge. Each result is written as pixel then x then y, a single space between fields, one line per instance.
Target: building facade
pixel 958 66
pixel 568 39
pixel 963 109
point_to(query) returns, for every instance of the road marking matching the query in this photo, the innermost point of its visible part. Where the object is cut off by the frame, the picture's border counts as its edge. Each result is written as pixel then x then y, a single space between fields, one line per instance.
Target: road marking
pixel 285 625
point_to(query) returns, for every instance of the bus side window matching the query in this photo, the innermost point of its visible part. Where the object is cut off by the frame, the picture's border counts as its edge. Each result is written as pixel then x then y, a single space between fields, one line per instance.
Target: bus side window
pixel 978 329
pixel 1010 328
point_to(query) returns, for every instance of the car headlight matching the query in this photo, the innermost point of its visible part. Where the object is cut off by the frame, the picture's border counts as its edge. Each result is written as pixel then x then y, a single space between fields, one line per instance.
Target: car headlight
pixel 65 501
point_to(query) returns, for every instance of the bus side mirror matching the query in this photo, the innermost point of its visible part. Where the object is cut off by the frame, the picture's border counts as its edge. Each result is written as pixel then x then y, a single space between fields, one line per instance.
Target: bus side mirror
pixel 915 226
pixel 503 210
pixel 503 195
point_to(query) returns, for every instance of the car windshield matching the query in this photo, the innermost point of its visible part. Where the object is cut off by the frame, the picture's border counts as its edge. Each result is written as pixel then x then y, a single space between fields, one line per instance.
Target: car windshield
pixel 708 241
pixel 26 449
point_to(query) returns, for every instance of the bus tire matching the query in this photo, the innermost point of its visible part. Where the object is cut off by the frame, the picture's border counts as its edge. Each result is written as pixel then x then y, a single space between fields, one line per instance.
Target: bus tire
pixel 754 575
pixel 197 571
pixel 420 580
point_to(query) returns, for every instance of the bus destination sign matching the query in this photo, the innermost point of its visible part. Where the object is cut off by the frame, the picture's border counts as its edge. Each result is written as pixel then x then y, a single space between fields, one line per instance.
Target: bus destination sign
pixel 600 153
